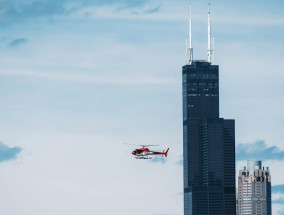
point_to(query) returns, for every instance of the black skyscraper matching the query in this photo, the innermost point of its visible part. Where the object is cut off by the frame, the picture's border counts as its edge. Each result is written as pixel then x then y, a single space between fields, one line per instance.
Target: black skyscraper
pixel 208 141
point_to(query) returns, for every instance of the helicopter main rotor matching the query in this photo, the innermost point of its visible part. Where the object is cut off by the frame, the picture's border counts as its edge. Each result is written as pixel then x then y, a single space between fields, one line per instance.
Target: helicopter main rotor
pixel 139 145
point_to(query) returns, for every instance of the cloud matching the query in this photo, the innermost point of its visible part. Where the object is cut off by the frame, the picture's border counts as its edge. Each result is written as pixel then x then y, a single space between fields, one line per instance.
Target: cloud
pixel 20 10
pixel 278 188
pixel 7 153
pixel 17 42
pixel 258 150
pixel 278 194
pixel 153 10
pixel 14 10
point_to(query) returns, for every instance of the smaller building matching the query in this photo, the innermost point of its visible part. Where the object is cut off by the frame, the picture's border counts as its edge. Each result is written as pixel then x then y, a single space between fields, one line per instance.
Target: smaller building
pixel 254 190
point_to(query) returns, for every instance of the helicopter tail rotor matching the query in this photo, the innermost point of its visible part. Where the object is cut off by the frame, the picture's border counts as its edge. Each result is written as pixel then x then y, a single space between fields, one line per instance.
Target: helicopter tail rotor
pixel 166 152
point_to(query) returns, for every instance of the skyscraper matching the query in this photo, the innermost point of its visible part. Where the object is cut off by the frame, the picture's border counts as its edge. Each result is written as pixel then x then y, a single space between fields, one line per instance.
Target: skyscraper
pixel 254 190
pixel 208 140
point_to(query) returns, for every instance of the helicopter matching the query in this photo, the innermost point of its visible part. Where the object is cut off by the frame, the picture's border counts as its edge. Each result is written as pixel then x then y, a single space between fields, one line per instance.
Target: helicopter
pixel 144 152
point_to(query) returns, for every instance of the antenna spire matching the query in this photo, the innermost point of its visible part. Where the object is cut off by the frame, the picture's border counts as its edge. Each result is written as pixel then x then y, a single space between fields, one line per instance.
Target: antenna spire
pixel 210 50
pixel 189 49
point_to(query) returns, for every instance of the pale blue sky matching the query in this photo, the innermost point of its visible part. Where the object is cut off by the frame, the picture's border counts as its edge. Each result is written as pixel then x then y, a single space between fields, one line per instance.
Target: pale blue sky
pixel 79 78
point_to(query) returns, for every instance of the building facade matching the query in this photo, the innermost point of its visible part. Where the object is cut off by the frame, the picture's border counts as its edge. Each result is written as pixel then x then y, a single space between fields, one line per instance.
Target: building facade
pixel 209 144
pixel 254 190
pixel 208 140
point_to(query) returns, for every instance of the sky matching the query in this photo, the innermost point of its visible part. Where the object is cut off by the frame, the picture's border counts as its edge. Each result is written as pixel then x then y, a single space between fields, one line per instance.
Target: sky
pixel 80 78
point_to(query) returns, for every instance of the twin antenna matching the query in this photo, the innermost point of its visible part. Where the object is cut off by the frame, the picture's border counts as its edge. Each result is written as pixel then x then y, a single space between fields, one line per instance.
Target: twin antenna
pixel 189 49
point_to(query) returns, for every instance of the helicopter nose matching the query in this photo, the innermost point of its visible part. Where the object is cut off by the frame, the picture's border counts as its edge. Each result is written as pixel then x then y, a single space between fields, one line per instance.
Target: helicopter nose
pixel 133 153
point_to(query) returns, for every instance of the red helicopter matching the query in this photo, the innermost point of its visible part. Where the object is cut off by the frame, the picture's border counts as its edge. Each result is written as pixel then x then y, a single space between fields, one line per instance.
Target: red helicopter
pixel 144 152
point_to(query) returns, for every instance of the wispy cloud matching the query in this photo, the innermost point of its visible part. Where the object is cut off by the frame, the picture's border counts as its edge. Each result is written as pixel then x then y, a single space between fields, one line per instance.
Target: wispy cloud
pixel 278 198
pixel 17 42
pixel 258 150
pixel 87 78
pixel 8 153
pixel 153 10
pixel 21 10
